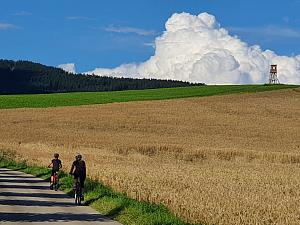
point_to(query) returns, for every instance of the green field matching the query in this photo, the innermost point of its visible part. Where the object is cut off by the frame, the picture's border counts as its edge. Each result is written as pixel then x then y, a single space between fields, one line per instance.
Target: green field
pixel 87 98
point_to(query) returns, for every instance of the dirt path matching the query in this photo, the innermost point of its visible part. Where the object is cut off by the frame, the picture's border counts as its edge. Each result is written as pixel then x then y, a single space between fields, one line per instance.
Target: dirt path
pixel 26 199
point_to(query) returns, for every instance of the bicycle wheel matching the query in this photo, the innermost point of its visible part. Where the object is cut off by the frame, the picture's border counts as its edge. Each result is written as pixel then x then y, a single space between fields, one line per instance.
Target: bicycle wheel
pixel 77 199
pixel 55 181
pixel 77 194
pixel 56 186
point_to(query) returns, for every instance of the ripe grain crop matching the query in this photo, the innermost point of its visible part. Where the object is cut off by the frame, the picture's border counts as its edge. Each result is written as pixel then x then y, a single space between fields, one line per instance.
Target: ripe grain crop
pixel 219 160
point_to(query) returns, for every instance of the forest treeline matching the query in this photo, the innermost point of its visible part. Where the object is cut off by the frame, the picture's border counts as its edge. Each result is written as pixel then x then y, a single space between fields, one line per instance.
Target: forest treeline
pixel 25 77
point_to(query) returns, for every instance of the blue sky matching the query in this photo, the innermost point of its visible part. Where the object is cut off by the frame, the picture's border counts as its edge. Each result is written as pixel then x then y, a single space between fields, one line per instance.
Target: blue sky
pixel 102 33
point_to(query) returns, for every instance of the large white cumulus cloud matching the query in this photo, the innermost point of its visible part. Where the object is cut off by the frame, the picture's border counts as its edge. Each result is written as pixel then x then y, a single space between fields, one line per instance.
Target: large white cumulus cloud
pixel 68 67
pixel 196 49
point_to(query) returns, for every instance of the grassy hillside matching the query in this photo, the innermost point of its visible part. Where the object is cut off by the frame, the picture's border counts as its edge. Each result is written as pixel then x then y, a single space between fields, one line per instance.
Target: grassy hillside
pixel 87 98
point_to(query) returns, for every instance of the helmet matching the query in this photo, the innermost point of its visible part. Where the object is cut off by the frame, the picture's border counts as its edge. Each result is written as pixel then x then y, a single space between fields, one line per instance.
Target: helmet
pixel 56 155
pixel 78 156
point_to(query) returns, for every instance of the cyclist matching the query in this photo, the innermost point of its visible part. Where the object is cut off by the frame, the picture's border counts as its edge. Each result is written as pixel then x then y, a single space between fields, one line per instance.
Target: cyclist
pixel 78 169
pixel 56 166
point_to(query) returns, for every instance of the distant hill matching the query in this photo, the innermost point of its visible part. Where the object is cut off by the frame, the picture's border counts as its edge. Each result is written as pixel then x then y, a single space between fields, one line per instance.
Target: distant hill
pixel 24 77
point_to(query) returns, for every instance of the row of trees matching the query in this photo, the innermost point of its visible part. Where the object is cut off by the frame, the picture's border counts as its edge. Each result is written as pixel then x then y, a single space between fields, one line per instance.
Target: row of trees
pixel 28 77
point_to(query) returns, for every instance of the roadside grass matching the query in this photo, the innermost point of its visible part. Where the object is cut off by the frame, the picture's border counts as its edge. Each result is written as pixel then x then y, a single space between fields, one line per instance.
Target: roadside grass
pixel 109 203
pixel 87 98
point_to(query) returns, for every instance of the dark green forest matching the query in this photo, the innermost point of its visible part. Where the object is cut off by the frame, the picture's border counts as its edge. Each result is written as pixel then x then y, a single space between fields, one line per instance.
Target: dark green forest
pixel 25 77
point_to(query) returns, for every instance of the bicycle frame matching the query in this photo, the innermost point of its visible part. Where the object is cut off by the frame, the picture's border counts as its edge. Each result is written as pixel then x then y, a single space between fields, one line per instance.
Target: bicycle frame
pixel 55 178
pixel 78 192
pixel 55 181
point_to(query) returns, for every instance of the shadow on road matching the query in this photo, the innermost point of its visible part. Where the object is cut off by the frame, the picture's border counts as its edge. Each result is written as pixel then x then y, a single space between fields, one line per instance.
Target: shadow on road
pixel 50 217
pixel 34 195
pixel 16 176
pixel 9 172
pixel 35 203
pixel 24 187
pixel 27 180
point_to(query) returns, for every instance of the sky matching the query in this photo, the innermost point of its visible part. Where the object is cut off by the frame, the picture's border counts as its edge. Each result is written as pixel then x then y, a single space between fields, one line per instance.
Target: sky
pixel 108 33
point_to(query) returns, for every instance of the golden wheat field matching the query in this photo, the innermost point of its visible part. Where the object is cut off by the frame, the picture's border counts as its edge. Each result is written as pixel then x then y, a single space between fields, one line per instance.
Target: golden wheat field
pixel 218 160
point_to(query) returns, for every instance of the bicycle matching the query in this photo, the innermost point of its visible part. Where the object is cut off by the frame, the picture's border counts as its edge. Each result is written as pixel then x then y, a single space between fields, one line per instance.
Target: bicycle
pixel 78 192
pixel 55 182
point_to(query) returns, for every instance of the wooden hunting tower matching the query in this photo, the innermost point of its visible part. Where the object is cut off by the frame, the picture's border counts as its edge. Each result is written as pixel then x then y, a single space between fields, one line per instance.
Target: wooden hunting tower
pixel 273 79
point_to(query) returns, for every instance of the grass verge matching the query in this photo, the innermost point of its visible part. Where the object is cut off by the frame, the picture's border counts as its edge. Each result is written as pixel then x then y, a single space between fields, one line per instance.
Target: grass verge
pixel 87 98
pixel 108 202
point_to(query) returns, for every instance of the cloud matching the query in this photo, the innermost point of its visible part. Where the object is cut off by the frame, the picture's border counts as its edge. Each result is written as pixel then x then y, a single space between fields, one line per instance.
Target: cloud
pixel 126 30
pixel 6 26
pixel 69 67
pixel 22 13
pixel 125 70
pixel 150 44
pixel 196 48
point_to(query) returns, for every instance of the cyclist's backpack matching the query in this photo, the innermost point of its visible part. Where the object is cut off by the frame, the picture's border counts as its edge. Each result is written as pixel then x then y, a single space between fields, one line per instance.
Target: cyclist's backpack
pixel 56 163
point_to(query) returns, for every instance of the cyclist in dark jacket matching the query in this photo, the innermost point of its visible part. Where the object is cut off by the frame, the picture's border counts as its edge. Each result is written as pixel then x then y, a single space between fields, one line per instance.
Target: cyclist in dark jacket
pixel 78 169
pixel 56 166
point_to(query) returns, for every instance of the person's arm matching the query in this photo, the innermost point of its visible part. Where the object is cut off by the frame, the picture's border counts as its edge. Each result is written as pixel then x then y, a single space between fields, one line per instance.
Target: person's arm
pixel 72 169
pixel 50 165
pixel 60 165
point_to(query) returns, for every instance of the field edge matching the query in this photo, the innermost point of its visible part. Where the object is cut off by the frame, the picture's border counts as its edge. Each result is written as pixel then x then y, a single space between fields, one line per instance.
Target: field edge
pixel 91 98
pixel 114 205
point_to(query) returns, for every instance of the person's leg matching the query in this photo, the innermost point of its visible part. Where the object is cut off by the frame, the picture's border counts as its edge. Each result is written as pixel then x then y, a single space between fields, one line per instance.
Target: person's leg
pixel 51 180
pixel 75 181
pixel 82 180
